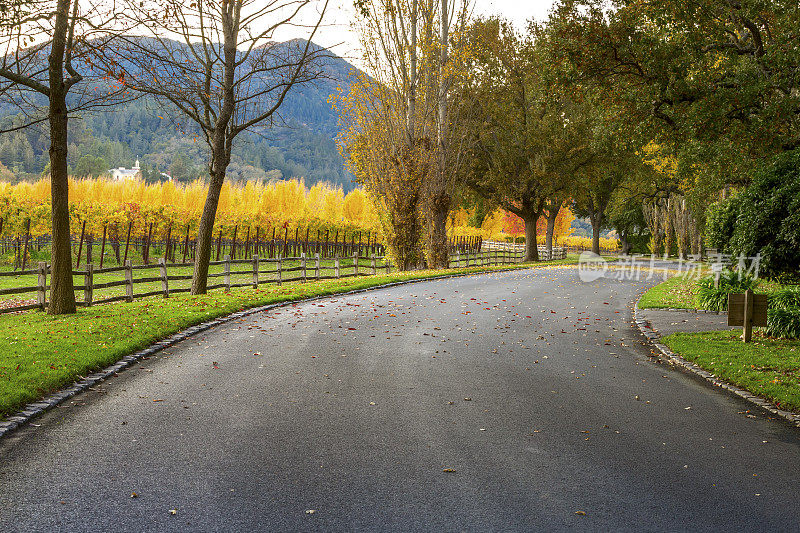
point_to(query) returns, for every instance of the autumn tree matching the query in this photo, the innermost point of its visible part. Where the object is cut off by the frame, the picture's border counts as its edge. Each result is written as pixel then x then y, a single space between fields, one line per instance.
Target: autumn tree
pixel 400 134
pixel 530 137
pixel 454 82
pixel 387 138
pixel 712 80
pixel 46 47
pixel 214 64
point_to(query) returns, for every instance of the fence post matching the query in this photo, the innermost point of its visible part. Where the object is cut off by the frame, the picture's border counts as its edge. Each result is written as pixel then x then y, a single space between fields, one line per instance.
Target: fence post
pixel 336 266
pixel 227 266
pixel 316 260
pixel 355 264
pixel 41 293
pixel 129 279
pixel 88 290
pixel 162 269
pixel 255 268
pixel 374 267
pixel 303 265
pixel 279 268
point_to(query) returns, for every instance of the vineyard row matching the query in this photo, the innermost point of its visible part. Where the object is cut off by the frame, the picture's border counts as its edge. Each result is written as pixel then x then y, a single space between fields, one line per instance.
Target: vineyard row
pixel 118 283
pixel 243 245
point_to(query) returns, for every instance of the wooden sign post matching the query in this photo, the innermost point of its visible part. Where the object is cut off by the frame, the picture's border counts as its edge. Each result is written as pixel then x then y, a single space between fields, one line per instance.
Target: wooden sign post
pixel 747 310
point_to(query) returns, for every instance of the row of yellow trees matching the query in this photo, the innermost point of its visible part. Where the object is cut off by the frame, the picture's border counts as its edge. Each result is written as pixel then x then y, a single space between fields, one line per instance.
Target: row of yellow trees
pixel 272 205
pixel 101 203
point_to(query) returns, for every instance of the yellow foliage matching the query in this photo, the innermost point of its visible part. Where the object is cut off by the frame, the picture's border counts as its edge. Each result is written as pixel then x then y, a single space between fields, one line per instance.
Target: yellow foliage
pixel 115 204
pixel 606 245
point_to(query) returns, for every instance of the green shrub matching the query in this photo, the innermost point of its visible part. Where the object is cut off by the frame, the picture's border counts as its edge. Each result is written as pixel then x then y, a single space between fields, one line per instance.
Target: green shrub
pixel 720 222
pixel 783 323
pixel 785 298
pixel 768 217
pixel 716 298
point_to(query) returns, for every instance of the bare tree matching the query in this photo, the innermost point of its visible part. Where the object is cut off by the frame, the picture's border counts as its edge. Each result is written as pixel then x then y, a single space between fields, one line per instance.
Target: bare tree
pixel 45 49
pixel 215 64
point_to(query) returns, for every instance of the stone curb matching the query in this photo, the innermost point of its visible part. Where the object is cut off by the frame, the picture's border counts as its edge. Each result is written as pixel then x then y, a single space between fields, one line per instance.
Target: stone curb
pixel 654 338
pixel 35 409
pixel 681 310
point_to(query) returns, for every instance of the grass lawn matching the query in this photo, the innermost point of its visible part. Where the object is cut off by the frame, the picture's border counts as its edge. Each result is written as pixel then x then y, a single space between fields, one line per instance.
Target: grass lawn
pixel 40 353
pixel 769 368
pixel 678 292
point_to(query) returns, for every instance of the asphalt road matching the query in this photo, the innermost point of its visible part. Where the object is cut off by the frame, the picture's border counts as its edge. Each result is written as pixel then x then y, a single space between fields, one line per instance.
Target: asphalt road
pixel 508 402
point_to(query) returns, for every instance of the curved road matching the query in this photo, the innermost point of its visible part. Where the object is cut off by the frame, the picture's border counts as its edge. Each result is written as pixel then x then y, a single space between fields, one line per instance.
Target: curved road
pixel 514 401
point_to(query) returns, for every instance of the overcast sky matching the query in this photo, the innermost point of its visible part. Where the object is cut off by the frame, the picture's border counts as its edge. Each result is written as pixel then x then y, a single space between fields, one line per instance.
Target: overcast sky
pixel 337 34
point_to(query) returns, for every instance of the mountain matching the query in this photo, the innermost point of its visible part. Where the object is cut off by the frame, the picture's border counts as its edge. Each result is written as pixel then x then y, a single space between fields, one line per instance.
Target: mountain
pixel 299 144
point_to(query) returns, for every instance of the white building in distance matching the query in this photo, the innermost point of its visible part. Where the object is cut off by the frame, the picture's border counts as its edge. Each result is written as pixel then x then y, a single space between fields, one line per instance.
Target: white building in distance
pixel 122 173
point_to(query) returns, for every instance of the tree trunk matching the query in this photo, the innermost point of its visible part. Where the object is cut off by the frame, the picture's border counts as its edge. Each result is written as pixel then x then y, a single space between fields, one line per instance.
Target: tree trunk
pixel 437 253
pixel 625 244
pixel 205 234
pixel 531 247
pixel 596 225
pixel 62 293
pixel 552 215
pixel 221 146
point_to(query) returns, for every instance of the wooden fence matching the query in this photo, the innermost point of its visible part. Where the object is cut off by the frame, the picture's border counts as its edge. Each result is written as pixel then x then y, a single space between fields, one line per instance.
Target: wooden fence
pixel 558 252
pixel 117 244
pixel 255 270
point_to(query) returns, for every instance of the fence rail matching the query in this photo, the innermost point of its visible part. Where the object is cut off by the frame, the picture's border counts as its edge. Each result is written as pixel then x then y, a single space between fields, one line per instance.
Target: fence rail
pixel 558 252
pixel 235 273
pixel 117 244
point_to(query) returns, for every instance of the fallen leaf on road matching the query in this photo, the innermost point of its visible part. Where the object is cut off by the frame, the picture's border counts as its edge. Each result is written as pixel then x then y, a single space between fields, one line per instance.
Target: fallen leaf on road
pixel 580 513
pixel 448 470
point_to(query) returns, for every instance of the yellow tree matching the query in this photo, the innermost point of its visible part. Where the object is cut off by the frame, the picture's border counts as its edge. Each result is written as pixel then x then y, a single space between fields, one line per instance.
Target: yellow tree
pixel 397 121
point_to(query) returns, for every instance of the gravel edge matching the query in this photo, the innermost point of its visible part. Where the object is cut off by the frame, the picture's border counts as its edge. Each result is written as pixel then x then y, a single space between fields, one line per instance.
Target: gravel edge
pixel 38 408
pixel 654 339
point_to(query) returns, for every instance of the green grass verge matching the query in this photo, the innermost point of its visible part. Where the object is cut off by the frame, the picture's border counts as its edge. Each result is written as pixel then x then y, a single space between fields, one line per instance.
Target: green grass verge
pixel 769 368
pixel 40 353
pixel 678 292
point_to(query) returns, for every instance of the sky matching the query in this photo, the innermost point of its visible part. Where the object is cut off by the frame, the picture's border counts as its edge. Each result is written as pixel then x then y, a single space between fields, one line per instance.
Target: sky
pixel 337 35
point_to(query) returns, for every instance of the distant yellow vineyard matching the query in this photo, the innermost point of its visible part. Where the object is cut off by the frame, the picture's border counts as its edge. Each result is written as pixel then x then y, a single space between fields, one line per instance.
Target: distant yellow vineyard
pixel 282 206
pixel 114 204
pixel 606 245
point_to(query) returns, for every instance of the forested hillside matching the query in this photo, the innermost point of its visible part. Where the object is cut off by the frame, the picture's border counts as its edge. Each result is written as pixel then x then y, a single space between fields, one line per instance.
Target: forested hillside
pixel 298 145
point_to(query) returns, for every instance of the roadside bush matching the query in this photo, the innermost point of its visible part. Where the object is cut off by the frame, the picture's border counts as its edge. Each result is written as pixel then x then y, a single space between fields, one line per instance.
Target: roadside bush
pixel 720 222
pixel 785 298
pixel 783 323
pixel 783 316
pixel 716 298
pixel 768 217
